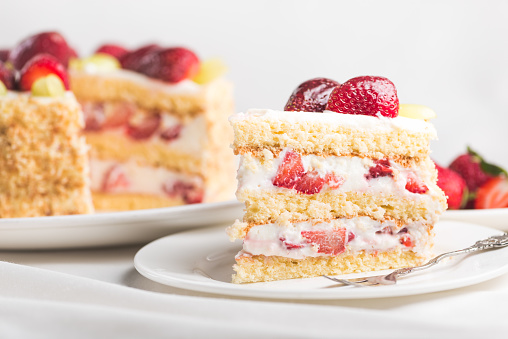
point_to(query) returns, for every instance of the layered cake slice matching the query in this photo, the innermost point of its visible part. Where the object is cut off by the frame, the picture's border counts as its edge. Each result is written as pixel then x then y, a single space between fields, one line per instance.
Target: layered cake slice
pixel 43 156
pixel 337 183
pixel 156 121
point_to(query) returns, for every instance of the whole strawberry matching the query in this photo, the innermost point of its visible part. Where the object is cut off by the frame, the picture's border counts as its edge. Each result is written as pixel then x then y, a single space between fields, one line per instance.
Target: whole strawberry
pixel 51 43
pixel 453 186
pixel 4 55
pixel 474 169
pixel 311 95
pixel 116 51
pixel 365 95
pixel 131 60
pixel 6 76
pixel 170 65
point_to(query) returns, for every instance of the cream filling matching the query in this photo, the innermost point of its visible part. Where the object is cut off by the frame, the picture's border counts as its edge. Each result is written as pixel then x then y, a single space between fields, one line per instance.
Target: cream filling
pixel 133 178
pixel 360 235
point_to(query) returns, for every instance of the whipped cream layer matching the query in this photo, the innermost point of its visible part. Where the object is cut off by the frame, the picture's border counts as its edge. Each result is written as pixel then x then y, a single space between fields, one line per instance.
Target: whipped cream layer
pixel 113 177
pixel 379 124
pixel 361 234
pixel 255 174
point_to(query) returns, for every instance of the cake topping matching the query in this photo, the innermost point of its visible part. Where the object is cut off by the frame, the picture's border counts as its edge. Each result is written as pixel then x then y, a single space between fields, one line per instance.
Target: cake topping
pixel 3 89
pixel 311 95
pixel 365 95
pixel 114 50
pixel 4 55
pixel 51 43
pixel 99 62
pixel 131 60
pixel 416 112
pixel 171 64
pixel 209 70
pixel 6 76
pixel 40 66
pixel 48 86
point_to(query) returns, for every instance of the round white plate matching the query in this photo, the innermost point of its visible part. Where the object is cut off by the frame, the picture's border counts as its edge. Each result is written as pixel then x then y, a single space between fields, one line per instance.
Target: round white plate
pixel 202 260
pixel 116 228
pixel 495 217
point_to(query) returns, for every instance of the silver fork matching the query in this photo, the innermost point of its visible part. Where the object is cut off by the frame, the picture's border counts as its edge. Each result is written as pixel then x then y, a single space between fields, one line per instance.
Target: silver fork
pixel 497 241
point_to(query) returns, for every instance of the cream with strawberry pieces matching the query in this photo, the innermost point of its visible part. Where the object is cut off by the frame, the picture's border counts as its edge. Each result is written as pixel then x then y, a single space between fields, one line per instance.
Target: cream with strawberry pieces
pixel 336 183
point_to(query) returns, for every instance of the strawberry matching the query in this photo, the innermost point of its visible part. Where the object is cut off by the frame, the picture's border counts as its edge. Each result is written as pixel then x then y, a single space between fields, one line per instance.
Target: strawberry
pixel 365 95
pixel 493 194
pixel 39 66
pixel 131 60
pixel 115 179
pixel 171 65
pixel 118 115
pixel 334 181
pixel 145 128
pixel 171 133
pixel 289 245
pixel 94 115
pixel 289 171
pixel 406 240
pixel 329 242
pixel 7 76
pixel 51 43
pixel 310 183
pixel 189 192
pixel 113 50
pixel 415 185
pixel 4 55
pixel 381 168
pixel 311 96
pixel 453 185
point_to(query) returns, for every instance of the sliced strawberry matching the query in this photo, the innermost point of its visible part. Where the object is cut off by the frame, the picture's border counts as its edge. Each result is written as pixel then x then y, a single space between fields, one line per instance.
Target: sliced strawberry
pixel 415 185
pixel 114 50
pixel 170 65
pixel 365 95
pixel 189 192
pixel 94 115
pixel 289 245
pixel 331 242
pixel 289 171
pixel 311 96
pixel 171 133
pixel 115 179
pixel 381 168
pixel 118 114
pixel 40 66
pixel 493 194
pixel 453 185
pixel 406 240
pixel 333 180
pixel 131 60
pixel 385 230
pixel 7 76
pixel 51 43
pixel 310 183
pixel 144 129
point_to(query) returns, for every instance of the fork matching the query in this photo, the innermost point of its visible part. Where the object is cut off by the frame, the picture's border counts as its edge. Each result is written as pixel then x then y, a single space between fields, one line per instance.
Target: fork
pixel 497 241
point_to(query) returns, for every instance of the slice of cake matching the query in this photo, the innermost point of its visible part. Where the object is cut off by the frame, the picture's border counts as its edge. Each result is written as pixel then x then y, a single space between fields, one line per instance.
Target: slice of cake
pixel 156 121
pixel 337 183
pixel 43 156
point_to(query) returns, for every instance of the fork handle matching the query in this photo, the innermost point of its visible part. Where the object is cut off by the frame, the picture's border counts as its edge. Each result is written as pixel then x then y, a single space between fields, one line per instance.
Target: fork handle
pixel 492 242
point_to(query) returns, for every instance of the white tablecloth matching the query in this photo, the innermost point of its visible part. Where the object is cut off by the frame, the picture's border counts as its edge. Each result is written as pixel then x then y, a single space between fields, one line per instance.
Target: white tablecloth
pixel 97 293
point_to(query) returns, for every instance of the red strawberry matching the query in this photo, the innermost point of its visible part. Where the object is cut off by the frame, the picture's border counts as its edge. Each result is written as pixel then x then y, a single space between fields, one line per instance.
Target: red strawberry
pixel 40 66
pixel 171 133
pixel 189 192
pixel 146 128
pixel 94 115
pixel 381 168
pixel 415 185
pixel 453 186
pixel 334 181
pixel 474 169
pixel 131 60
pixel 113 50
pixel 365 95
pixel 311 96
pixel 406 240
pixel 51 43
pixel 118 115
pixel 330 242
pixel 171 65
pixel 115 179
pixel 289 245
pixel 289 171
pixel 493 194
pixel 7 76
pixel 4 55
pixel 310 183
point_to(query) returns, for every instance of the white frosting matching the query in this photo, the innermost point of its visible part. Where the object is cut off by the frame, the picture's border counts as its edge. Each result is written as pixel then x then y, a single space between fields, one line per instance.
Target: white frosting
pixel 364 122
pixel 269 239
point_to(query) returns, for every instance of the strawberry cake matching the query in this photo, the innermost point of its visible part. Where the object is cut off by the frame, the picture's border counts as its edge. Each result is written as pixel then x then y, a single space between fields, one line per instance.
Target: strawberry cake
pixel 156 122
pixel 339 182
pixel 44 166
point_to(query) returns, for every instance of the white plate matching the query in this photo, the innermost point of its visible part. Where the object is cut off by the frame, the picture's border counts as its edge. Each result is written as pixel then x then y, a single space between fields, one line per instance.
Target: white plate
pixel 495 217
pixel 202 260
pixel 107 229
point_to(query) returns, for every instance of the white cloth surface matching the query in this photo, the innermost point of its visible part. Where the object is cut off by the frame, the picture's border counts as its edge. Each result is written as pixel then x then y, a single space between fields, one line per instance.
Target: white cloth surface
pixel 98 294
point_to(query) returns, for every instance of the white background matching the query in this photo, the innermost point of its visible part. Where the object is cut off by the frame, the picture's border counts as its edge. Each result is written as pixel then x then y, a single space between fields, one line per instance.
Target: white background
pixel 449 55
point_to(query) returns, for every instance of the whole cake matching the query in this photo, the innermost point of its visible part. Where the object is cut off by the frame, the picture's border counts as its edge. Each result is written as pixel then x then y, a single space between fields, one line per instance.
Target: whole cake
pixel 43 156
pixel 156 121
pixel 337 183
